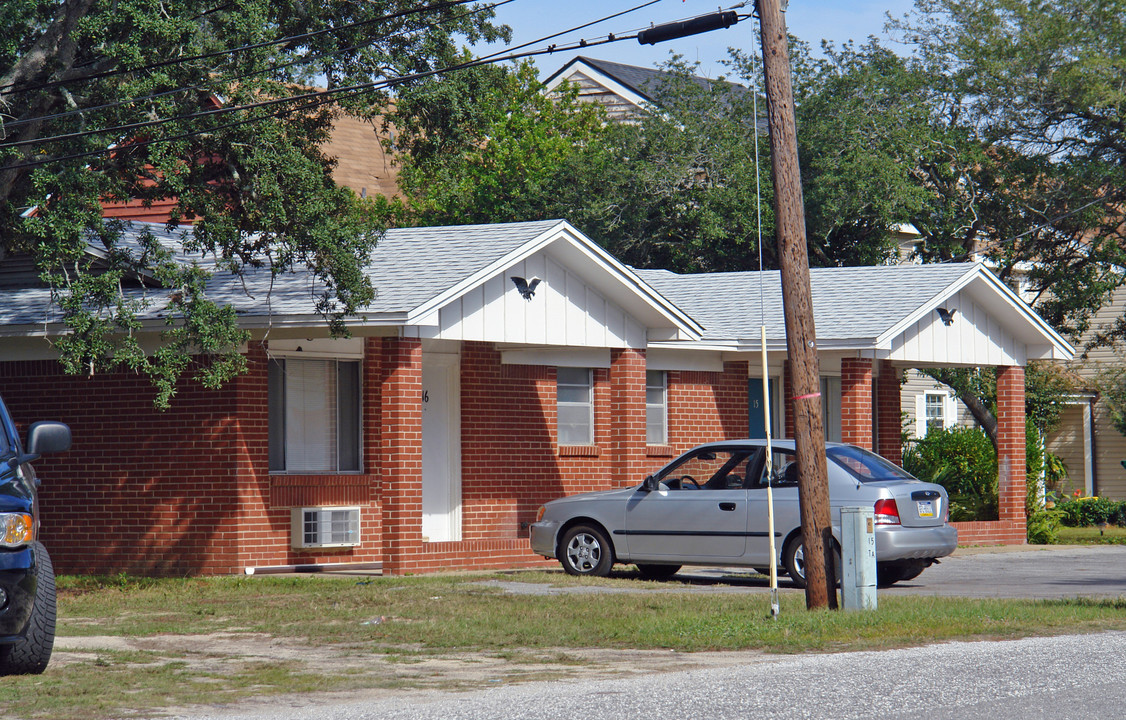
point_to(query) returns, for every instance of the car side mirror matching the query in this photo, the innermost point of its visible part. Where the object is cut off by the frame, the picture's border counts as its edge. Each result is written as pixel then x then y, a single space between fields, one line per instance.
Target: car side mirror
pixel 48 437
pixel 650 484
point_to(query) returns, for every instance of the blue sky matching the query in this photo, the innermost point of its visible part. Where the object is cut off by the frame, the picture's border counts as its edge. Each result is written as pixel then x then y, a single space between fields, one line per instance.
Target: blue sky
pixel 810 20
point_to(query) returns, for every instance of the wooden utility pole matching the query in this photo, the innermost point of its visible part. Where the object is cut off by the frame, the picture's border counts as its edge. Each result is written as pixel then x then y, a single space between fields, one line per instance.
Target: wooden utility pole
pixel 789 210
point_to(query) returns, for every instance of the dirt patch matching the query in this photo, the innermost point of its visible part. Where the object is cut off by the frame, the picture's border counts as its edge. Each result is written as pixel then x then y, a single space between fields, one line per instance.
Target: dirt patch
pixel 389 675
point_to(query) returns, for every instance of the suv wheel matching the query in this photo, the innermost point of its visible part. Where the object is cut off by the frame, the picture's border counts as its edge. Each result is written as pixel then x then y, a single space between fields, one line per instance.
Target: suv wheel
pixel 31 654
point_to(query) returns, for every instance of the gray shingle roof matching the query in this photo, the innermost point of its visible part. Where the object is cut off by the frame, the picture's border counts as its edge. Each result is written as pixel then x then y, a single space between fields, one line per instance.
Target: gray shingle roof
pixel 409 267
pixel 849 304
pixel 644 81
pixel 412 266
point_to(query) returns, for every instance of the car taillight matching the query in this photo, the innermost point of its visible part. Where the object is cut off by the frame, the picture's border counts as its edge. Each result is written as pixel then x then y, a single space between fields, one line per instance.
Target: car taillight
pixel 539 513
pixel 887 512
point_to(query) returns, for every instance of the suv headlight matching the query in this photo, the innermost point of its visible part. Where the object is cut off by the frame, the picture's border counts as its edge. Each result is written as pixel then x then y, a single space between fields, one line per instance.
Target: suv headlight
pixel 16 530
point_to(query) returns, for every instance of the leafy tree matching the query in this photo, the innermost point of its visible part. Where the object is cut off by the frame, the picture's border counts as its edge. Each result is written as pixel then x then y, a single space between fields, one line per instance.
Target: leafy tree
pixel 485 145
pixel 1040 87
pixel 866 131
pixel 675 188
pixel 78 77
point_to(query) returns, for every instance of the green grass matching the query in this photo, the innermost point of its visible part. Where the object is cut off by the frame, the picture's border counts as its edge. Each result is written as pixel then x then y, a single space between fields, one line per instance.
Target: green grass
pixel 1110 535
pixel 390 632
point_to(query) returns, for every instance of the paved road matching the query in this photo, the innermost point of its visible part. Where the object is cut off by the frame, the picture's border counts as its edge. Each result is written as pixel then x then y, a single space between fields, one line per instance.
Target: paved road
pixel 1028 571
pixel 1032 571
pixel 1068 677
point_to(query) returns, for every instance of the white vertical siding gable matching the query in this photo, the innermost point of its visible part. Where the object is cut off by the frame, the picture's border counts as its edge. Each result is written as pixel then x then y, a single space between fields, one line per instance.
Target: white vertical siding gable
pixel 564 311
pixel 976 337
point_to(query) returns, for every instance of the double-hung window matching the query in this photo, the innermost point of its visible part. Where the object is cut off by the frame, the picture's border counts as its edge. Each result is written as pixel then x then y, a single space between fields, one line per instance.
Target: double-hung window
pixel 314 408
pixel 574 393
pixel 656 407
pixel 935 406
pixel 934 411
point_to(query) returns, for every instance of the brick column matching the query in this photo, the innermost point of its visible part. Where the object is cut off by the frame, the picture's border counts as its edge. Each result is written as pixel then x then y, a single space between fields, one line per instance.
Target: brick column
pixel 856 402
pixel 627 416
pixel 889 412
pixel 401 438
pixel 1011 444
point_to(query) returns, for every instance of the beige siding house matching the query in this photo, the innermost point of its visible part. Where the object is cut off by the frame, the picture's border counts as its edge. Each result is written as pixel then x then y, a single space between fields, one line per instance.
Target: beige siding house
pixel 1087 440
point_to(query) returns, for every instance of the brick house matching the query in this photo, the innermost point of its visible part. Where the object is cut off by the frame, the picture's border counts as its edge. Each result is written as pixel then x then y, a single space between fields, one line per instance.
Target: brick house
pixel 469 394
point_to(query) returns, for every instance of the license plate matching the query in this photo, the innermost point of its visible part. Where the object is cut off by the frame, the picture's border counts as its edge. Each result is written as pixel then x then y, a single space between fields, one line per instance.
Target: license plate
pixel 926 508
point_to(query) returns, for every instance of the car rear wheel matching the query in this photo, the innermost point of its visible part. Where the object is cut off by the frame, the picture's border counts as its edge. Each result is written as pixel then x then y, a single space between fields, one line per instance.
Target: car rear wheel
pixel 31 654
pixel 584 550
pixel 657 572
pixel 793 558
pixel 889 573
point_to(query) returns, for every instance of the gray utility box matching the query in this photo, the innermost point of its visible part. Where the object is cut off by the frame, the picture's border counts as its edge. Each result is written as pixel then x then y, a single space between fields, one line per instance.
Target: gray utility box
pixel 858 558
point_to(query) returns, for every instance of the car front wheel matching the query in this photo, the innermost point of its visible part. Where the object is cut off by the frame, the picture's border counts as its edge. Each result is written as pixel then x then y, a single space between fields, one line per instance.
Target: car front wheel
pixel 585 550
pixel 31 654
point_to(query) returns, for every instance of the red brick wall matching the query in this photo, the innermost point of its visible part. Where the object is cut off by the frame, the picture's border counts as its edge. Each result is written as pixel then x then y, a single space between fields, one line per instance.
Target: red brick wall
pixel 401 469
pixel 991 532
pixel 511 462
pixel 706 407
pixel 889 417
pixel 856 402
pixel 186 491
pixel 627 416
pixel 189 491
pixel 1011 449
pixel 140 491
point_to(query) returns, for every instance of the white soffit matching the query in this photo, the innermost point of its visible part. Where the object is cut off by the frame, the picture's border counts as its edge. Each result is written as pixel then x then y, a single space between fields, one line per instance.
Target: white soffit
pixel 698 360
pixel 352 347
pixel 557 357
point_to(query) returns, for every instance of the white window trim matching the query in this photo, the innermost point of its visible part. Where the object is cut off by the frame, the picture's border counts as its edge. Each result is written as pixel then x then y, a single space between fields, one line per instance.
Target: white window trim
pixel 949 411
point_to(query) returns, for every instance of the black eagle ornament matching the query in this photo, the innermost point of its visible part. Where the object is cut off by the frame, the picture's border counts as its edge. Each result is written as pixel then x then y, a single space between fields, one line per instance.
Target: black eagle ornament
pixel 946 315
pixel 526 288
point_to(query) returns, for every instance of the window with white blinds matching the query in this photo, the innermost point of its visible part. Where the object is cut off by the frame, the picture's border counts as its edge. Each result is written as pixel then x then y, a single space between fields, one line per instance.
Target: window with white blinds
pixel 656 407
pixel 575 406
pixel 314 416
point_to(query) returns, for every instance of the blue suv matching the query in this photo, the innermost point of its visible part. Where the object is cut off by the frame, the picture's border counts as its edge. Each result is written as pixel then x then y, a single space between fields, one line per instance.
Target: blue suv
pixel 27 580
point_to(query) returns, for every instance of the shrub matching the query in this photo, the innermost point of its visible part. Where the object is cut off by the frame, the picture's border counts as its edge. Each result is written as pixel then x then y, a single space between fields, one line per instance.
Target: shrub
pixel 1044 526
pixel 1086 511
pixel 962 460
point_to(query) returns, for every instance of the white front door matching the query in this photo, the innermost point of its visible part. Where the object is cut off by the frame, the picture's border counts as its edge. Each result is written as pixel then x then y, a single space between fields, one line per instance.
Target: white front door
pixel 441 447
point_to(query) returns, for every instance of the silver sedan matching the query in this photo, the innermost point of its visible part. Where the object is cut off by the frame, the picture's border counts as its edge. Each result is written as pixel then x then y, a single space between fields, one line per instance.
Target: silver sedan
pixel 709 507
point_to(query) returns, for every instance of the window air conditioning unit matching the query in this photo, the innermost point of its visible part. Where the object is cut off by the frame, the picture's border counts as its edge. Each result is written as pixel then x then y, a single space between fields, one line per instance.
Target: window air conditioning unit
pixel 325 527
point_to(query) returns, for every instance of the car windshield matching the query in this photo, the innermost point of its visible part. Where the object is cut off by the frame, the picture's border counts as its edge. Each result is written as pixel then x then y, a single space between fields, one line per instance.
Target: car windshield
pixel 865 466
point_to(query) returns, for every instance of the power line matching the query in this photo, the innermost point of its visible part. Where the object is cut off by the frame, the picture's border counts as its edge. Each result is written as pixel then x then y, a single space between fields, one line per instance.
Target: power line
pixel 320 96
pixel 11 87
pixel 153 96
pixel 328 96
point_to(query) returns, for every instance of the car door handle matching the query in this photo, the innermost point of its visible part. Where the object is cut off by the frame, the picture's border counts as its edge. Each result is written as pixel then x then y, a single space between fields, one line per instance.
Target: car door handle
pixel 727 506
